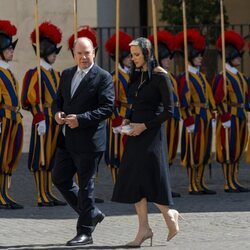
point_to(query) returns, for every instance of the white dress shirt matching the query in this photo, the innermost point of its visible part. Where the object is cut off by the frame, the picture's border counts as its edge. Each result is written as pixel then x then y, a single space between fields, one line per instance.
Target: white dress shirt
pixel 4 64
pixel 231 69
pixel 45 65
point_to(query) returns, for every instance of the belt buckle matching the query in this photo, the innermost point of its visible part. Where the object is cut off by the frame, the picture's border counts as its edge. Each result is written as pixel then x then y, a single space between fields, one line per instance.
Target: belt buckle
pixel 242 105
pixel 206 105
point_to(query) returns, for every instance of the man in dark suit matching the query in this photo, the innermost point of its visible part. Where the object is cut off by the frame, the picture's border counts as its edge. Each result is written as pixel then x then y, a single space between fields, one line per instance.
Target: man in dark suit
pixel 85 99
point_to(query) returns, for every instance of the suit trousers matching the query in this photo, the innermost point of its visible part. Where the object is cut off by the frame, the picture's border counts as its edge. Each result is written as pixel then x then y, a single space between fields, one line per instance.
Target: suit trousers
pixel 80 198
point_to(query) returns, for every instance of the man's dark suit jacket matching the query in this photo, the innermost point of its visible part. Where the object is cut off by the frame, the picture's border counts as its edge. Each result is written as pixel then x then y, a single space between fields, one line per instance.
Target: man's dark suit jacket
pixel 92 102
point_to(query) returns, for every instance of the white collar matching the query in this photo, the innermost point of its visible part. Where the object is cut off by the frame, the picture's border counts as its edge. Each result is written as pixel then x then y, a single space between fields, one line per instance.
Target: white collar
pixel 231 69
pixel 85 71
pixel 124 69
pixel 193 70
pixel 45 65
pixel 4 64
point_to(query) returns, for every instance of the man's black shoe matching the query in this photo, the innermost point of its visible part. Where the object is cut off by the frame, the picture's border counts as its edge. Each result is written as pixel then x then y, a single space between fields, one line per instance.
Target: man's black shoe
pixel 80 240
pixel 59 203
pixel 98 219
pixel 242 189
pixel 195 193
pixel 14 205
pixel 98 200
pixel 208 191
pixel 5 206
pixel 175 195
pixel 45 204
pixel 231 190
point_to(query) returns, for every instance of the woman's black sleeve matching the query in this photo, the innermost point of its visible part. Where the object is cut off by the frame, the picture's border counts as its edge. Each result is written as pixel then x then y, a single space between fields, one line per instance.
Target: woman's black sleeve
pixel 166 92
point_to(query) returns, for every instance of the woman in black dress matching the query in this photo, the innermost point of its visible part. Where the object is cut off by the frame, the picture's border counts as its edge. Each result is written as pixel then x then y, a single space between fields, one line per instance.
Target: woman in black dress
pixel 144 174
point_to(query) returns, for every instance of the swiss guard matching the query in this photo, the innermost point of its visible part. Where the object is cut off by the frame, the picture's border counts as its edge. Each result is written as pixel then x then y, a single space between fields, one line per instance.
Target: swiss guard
pixel 11 129
pixel 166 49
pixel 43 122
pixel 232 108
pixel 116 141
pixel 197 105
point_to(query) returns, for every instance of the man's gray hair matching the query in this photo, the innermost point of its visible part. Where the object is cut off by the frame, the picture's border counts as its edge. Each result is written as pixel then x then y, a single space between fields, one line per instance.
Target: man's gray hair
pixel 79 39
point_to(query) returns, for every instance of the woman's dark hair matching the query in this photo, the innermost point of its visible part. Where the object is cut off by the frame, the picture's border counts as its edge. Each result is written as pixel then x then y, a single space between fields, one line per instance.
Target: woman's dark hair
pixel 147 51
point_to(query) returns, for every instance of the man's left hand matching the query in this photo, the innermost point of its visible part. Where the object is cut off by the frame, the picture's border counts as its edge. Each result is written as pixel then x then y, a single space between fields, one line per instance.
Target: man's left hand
pixel 71 121
pixel 137 129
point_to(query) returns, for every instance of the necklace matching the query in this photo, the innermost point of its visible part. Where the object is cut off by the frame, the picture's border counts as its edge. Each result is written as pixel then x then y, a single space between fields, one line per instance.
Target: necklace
pixel 140 84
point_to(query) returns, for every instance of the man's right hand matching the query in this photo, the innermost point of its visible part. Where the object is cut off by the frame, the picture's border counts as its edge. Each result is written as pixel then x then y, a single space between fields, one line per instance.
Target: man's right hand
pixel 59 117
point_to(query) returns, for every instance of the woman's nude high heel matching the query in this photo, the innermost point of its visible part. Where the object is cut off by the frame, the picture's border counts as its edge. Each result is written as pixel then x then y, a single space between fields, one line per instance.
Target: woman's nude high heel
pixel 175 228
pixel 137 243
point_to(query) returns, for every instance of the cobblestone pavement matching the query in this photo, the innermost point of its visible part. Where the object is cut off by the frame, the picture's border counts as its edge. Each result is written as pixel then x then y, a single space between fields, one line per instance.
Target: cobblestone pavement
pixel 217 222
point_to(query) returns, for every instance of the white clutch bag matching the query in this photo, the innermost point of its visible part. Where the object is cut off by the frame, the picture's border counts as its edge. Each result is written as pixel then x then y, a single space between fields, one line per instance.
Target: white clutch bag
pixel 122 129
pixel 126 129
pixel 117 130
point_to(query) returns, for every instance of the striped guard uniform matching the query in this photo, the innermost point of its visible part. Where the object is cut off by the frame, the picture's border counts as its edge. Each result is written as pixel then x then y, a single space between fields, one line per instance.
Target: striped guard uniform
pixel 231 107
pixel 172 125
pixel 11 122
pixel 116 142
pixel 196 104
pixel 11 136
pixel 30 102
